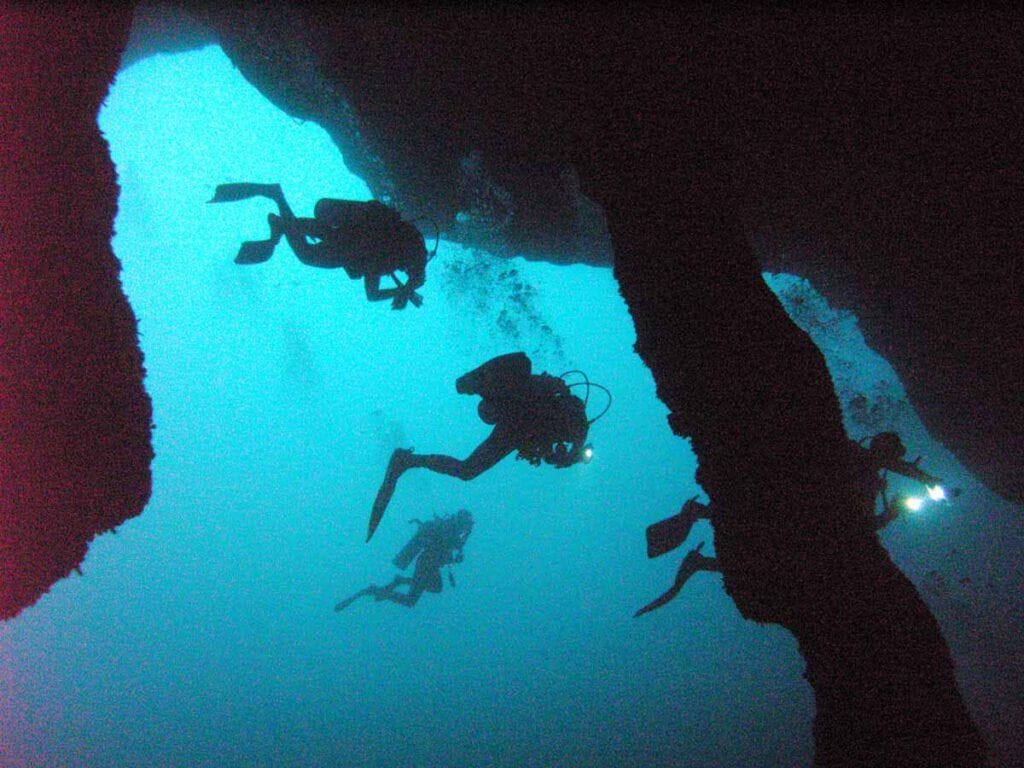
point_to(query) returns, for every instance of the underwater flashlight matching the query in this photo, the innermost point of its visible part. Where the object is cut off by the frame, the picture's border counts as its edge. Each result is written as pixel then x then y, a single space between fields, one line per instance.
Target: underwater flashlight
pixel 914 503
pixel 936 492
pixel 587 455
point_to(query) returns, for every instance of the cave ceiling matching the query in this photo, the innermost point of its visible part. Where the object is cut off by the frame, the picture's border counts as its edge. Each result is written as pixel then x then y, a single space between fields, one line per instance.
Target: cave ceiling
pixel 873 154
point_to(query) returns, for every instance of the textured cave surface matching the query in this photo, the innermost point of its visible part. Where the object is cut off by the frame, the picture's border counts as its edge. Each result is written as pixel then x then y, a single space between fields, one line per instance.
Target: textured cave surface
pixel 409 99
pixel 74 417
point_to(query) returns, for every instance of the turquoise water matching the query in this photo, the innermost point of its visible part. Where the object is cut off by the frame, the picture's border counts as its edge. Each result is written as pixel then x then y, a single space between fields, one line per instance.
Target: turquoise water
pixel 202 633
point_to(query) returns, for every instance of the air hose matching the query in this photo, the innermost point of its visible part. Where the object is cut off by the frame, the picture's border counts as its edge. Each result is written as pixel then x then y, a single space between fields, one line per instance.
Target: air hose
pixel 586 398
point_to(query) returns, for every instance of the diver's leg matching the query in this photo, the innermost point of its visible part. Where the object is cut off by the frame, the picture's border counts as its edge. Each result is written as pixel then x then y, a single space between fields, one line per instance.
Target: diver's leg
pixel 499 444
pixel 370 590
pixel 298 232
pixel 392 595
pixel 693 562
pixel 411 597
pixel 305 238
pixel 304 235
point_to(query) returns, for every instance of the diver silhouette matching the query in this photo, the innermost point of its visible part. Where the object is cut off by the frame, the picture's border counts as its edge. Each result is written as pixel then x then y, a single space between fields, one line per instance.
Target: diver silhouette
pixel 536 414
pixel 436 543
pixel 884 453
pixel 665 536
pixel 367 239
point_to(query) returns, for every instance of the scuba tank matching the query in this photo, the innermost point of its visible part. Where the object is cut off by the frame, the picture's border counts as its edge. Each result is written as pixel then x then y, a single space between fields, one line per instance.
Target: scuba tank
pixel 497 378
pixel 550 421
pixel 411 549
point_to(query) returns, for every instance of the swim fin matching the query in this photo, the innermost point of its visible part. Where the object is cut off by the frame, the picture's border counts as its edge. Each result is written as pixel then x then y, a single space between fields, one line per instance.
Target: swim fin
pixel 230 193
pixel 349 600
pixel 256 251
pixel 693 562
pixel 667 534
pixel 387 489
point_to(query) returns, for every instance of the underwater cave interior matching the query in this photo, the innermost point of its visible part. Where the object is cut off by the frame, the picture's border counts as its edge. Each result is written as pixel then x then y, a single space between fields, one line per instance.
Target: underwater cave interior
pixel 278 394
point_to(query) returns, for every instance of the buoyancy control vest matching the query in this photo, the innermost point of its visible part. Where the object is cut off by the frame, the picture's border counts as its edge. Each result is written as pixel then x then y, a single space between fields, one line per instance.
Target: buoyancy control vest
pixel 550 423
pixel 370 237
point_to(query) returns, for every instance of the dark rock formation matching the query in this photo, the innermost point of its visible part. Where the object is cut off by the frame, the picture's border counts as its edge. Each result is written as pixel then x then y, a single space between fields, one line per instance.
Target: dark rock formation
pixel 74 418
pixel 792 524
pixel 901 130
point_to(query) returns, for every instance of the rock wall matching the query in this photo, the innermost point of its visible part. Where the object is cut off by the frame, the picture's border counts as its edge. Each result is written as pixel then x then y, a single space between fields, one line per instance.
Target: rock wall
pixel 74 418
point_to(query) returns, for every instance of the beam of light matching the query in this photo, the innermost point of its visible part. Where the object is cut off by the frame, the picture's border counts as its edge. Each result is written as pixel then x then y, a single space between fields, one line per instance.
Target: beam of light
pixel 936 492
pixel 914 503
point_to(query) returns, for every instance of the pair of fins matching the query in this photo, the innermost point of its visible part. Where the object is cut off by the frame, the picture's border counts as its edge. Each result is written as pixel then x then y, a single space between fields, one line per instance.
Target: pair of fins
pixel 252 251
pixel 668 534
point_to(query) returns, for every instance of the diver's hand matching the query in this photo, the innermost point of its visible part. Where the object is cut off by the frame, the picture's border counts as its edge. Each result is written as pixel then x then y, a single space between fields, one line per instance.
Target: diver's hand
pixel 403 297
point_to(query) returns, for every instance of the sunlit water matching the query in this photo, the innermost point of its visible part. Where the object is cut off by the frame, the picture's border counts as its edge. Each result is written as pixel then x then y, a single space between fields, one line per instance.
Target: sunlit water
pixel 202 633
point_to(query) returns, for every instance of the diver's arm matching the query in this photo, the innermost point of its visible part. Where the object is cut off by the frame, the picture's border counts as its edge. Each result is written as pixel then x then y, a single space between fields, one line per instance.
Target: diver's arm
pixel 373 290
pixel 401 294
pixel 911 470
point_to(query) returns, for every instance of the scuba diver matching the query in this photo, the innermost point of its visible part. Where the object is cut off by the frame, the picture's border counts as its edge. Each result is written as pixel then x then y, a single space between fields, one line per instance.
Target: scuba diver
pixel 536 414
pixel 367 239
pixel 436 543
pixel 883 454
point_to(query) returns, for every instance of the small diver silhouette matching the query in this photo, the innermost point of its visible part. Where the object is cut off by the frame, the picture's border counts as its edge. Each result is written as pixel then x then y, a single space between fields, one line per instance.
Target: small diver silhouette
pixel 436 543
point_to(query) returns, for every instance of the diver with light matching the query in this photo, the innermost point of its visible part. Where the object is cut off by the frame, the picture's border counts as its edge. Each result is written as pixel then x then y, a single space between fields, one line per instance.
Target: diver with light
pixel 535 414
pixel 884 453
